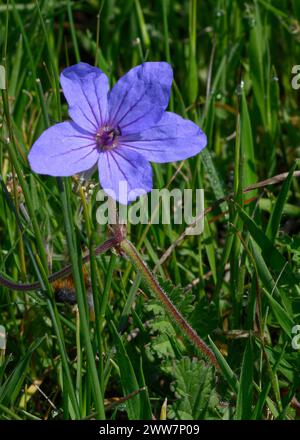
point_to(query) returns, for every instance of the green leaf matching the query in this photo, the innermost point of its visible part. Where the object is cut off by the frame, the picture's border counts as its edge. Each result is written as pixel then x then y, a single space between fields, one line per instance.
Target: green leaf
pixel 10 389
pixel 259 407
pixel 284 320
pixel 146 411
pixel 274 221
pixel 165 344
pixel 192 67
pixel 225 368
pixel 245 392
pixel 267 279
pixel 275 260
pixel 257 51
pixel 214 179
pixel 247 149
pixel 128 378
pixel 194 389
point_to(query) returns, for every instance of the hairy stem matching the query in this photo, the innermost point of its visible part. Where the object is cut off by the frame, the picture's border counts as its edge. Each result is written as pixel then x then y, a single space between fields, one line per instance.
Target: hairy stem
pixel 128 248
pixel 60 274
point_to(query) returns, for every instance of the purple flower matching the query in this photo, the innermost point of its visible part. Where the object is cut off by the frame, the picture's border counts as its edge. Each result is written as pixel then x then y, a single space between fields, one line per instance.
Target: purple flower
pixel 119 130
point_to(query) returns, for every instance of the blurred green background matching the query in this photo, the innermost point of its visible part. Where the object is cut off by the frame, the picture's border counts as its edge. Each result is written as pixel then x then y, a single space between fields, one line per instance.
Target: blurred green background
pixel 238 282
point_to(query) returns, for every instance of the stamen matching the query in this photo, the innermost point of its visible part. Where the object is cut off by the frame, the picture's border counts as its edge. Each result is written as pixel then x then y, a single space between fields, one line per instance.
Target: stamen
pixel 107 138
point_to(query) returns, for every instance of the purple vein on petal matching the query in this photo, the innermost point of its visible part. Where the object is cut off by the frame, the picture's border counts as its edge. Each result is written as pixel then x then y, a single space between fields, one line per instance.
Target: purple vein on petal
pixel 129 110
pixel 122 172
pixel 137 119
pixel 112 120
pixel 107 157
pixel 81 158
pixel 83 137
pixel 153 140
pixel 141 148
pixel 126 158
pixel 99 106
pixel 74 149
pixel 85 116
pixel 90 105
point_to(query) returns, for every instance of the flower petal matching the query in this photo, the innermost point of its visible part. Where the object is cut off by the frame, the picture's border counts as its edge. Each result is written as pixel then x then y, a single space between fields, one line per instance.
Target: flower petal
pixel 124 174
pixel 63 150
pixel 86 88
pixel 173 138
pixel 140 97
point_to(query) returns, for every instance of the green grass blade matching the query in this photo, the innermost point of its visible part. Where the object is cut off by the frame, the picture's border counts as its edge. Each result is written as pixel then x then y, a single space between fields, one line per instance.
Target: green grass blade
pixel 276 215
pixel 245 392
pixel 128 378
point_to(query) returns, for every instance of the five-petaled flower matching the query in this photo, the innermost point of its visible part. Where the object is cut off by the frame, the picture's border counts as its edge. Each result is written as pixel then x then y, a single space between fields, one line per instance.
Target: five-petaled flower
pixel 121 130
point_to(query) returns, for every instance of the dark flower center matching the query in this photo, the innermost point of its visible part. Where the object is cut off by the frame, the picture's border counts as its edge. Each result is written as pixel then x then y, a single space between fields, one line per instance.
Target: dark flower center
pixel 107 138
